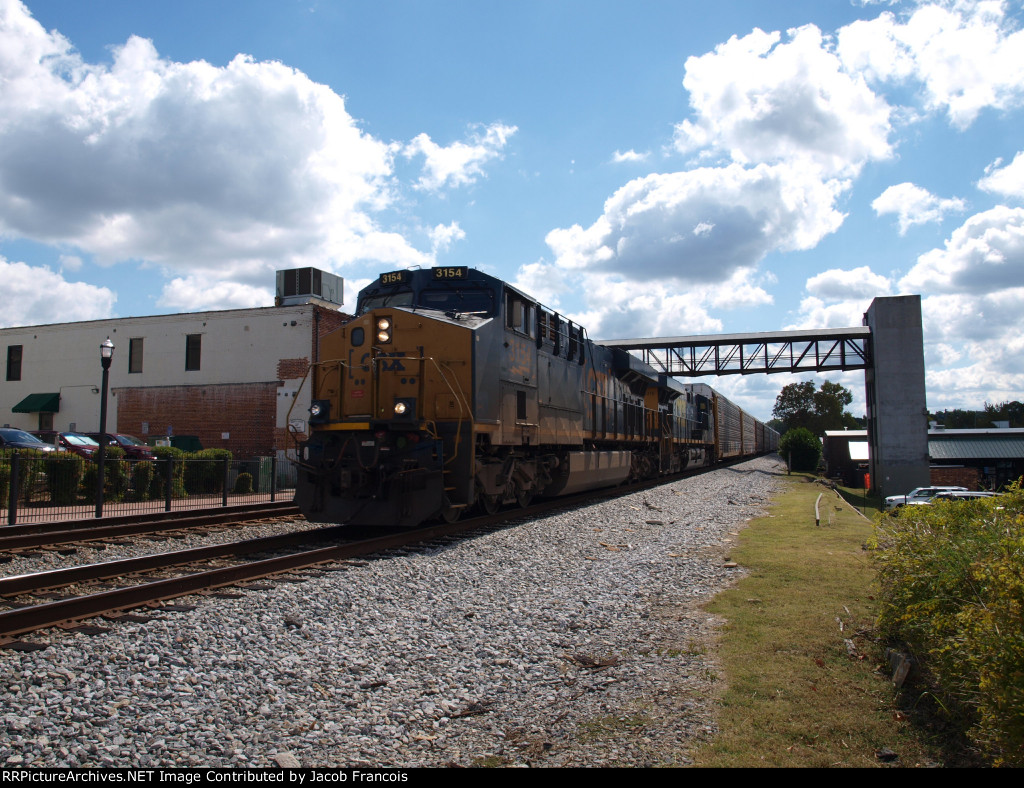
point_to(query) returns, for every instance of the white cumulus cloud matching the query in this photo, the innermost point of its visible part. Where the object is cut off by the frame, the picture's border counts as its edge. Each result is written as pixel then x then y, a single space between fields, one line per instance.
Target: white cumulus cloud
pixel 35 295
pixel 460 163
pixel 759 99
pixel 702 225
pixel 984 255
pixel 210 172
pixel 914 205
pixel 1008 180
pixel 839 285
pixel 444 235
pixel 966 56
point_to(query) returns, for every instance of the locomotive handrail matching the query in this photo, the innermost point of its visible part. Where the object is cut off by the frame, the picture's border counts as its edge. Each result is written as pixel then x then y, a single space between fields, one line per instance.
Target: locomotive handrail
pixel 288 416
pixel 465 411
pixel 463 405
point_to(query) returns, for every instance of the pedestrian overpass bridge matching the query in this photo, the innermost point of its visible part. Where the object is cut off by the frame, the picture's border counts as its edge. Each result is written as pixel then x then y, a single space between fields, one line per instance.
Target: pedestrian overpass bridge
pixel 889 347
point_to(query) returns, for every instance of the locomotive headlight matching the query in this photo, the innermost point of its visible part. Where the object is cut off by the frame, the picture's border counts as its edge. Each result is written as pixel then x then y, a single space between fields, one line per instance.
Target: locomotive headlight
pixel 404 408
pixel 319 411
pixel 384 330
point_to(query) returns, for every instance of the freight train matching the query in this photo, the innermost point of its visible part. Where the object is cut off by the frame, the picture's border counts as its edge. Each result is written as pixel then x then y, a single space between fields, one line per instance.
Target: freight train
pixel 451 390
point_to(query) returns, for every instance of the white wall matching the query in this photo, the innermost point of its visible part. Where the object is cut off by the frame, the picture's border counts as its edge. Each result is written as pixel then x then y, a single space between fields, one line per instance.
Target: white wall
pixel 238 346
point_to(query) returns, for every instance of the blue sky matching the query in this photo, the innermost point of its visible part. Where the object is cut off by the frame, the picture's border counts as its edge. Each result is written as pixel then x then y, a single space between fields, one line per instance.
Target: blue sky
pixel 647 168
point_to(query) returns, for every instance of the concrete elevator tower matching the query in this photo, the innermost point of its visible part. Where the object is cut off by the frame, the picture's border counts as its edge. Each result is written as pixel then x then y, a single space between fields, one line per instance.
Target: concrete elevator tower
pixel 894 382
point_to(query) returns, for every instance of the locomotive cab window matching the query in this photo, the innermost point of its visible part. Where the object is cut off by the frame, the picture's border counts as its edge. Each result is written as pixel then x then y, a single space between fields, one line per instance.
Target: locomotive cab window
pixel 518 314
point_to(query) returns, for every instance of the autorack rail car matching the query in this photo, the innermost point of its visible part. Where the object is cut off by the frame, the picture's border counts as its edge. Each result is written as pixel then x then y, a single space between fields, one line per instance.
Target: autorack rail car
pixel 452 390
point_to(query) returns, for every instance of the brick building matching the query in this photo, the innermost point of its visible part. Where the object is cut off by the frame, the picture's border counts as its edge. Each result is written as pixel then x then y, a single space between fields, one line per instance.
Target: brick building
pixel 978 459
pixel 233 378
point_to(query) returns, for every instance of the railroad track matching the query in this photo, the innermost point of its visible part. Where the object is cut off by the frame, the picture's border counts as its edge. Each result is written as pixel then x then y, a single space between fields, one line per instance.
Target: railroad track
pixel 66 612
pixel 50 534
pixel 137 593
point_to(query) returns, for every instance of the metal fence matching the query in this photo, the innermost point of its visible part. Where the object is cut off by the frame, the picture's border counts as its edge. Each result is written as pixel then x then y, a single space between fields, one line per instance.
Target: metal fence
pixel 37 487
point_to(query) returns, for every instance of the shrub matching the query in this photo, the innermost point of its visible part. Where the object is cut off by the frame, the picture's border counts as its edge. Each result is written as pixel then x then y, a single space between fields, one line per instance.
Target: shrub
pixel 158 484
pixel 5 481
pixel 801 449
pixel 64 478
pixel 29 467
pixel 142 479
pixel 243 484
pixel 204 470
pixel 952 589
pixel 115 469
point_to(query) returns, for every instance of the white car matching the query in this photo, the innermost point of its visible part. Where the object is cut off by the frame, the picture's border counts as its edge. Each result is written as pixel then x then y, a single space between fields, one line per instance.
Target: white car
pixel 919 495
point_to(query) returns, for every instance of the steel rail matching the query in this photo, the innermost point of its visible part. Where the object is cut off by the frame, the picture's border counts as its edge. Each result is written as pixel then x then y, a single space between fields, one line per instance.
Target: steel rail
pixel 59 578
pixel 37 536
pixel 64 611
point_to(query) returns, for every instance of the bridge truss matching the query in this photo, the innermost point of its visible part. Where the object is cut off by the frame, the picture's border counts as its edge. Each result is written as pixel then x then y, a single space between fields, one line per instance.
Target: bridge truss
pixel 825 350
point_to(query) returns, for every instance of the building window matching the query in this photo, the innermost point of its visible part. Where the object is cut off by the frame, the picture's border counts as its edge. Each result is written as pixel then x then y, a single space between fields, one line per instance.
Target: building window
pixel 135 354
pixel 193 351
pixel 14 362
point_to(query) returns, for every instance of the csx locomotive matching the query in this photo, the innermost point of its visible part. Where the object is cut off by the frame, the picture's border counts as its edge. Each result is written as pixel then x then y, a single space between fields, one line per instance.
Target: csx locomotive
pixel 451 390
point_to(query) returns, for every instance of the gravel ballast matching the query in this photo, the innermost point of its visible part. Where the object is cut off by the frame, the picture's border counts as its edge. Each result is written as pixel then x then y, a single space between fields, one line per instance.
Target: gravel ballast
pixel 576 639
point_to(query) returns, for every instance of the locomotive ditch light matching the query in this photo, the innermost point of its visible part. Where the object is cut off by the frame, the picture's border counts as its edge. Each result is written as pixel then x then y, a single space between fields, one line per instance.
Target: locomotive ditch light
pixel 384 330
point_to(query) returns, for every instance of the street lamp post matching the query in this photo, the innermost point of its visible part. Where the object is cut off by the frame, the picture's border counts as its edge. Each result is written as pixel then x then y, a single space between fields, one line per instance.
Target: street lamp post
pixel 106 356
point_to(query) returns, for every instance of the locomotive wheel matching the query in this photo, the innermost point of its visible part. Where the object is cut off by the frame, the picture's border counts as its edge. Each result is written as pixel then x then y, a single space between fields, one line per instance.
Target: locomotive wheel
pixel 450 513
pixel 523 497
pixel 490 503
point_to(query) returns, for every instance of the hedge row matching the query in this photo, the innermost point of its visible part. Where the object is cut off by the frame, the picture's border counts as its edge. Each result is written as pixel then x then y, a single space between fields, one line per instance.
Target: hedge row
pixel 952 590
pixel 70 479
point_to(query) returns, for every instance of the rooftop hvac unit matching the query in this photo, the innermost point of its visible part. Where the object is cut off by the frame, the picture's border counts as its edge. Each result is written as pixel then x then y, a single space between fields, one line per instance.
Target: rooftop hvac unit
pixel 300 285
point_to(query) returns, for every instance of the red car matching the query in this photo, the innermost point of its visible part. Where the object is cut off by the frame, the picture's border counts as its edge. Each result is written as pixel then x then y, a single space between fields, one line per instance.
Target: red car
pixel 82 445
pixel 134 449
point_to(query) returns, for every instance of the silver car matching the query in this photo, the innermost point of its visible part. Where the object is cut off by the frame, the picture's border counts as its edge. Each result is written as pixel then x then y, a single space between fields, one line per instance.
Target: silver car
pixel 919 495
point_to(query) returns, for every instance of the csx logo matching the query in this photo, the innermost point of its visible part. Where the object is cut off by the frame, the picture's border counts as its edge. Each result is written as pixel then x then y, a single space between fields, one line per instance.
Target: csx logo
pixel 391 363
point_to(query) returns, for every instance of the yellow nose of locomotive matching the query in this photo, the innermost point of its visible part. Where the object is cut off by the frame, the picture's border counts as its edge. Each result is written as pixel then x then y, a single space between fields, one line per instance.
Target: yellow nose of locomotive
pixel 394 366
pixel 390 416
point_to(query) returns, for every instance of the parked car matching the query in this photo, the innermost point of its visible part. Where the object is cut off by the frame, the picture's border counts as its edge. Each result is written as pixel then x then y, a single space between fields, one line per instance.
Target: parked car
pixel 919 495
pixel 82 445
pixel 134 449
pixel 11 438
pixel 962 496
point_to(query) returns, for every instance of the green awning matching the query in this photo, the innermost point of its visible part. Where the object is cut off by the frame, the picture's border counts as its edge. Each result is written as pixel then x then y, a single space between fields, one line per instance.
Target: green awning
pixel 39 403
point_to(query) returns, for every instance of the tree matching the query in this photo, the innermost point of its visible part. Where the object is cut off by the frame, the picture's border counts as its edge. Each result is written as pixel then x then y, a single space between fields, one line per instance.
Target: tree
pixel 804 405
pixel 801 449
pixel 959 419
pixel 795 404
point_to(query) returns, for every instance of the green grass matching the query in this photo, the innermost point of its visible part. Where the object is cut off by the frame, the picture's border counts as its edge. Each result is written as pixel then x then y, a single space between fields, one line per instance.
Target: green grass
pixel 802 684
pixel 857 497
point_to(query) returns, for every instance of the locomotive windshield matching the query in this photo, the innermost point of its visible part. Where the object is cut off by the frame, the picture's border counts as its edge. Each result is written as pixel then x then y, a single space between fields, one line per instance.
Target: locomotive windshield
pixel 386 299
pixel 462 300
pixel 455 289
